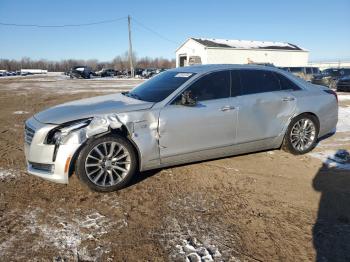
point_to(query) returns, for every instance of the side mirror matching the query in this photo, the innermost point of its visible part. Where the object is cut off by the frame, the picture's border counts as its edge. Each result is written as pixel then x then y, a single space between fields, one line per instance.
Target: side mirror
pixel 187 99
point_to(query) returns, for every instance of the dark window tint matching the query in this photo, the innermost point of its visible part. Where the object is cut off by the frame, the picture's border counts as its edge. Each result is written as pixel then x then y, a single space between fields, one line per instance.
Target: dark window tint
pixel 332 72
pixel 235 83
pixel 159 87
pixel 296 69
pixel 258 81
pixel 308 70
pixel 285 83
pixel 316 70
pixel 212 86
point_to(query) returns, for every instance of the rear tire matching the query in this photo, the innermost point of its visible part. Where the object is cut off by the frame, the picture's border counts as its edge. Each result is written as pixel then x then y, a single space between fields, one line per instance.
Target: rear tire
pixel 301 136
pixel 107 163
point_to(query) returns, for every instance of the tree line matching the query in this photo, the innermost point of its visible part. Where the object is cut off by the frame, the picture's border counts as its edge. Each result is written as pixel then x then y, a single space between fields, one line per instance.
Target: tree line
pixel 120 62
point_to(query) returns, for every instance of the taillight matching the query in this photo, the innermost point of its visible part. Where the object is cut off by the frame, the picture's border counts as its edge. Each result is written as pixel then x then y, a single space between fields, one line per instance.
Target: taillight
pixel 332 93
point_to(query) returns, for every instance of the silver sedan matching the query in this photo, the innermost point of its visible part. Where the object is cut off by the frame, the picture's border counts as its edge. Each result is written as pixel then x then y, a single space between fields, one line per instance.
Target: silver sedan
pixel 179 116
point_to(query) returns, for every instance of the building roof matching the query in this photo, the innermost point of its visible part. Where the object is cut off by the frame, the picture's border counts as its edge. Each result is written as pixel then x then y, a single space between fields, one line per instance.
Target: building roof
pixel 214 67
pixel 246 44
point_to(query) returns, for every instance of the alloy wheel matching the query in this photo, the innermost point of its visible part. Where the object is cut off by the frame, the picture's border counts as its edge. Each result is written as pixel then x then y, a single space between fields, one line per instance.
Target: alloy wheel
pixel 303 134
pixel 107 164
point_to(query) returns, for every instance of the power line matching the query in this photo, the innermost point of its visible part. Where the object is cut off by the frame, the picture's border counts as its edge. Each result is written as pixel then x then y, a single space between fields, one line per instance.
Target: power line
pixel 66 25
pixel 153 31
pixel 90 24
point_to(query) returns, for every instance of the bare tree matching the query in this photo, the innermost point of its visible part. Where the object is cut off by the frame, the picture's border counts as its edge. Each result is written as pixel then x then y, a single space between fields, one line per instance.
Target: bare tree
pixel 120 62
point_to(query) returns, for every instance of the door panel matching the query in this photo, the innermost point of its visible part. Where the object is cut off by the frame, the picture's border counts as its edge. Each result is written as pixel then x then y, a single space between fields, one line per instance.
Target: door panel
pixel 264 115
pixel 185 129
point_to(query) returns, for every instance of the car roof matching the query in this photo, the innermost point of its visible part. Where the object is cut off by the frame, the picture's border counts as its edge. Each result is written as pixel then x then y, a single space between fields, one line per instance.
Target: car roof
pixel 214 67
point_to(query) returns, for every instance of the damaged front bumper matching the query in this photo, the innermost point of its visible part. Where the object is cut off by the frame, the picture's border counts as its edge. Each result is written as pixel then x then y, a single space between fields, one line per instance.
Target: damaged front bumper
pixel 39 156
pixel 51 160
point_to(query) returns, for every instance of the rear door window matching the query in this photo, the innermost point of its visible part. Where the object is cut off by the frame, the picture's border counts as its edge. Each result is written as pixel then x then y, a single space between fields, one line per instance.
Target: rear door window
pixel 285 83
pixel 258 81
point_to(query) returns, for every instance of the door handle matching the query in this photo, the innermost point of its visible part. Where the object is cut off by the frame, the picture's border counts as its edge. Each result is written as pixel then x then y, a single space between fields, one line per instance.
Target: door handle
pixel 227 108
pixel 287 99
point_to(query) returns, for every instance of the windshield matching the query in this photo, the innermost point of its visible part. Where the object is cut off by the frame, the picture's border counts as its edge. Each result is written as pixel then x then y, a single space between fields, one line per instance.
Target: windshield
pixel 160 86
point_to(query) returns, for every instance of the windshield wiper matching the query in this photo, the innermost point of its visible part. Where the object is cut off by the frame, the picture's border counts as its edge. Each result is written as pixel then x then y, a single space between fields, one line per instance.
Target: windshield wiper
pixel 131 95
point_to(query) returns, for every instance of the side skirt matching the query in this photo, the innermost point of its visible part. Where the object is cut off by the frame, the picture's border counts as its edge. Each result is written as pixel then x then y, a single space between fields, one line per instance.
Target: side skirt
pixel 215 153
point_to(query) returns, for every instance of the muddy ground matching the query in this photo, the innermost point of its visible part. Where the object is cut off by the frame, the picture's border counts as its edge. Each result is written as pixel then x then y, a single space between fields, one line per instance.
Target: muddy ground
pixel 267 206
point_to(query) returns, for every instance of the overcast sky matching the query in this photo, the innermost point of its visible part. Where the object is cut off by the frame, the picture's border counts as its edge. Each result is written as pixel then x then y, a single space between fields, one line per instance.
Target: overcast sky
pixel 323 27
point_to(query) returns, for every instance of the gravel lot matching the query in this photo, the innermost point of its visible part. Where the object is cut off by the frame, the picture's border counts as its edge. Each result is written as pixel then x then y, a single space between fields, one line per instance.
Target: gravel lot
pixel 265 206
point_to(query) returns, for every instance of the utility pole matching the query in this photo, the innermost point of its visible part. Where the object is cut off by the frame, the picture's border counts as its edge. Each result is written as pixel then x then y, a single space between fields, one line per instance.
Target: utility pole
pixel 130 48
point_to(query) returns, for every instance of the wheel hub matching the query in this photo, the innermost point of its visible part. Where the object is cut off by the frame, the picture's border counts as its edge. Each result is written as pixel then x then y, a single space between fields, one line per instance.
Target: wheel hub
pixel 108 164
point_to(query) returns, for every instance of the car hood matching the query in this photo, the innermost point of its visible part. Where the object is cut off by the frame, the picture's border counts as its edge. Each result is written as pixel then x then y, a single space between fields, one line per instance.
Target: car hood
pixel 90 107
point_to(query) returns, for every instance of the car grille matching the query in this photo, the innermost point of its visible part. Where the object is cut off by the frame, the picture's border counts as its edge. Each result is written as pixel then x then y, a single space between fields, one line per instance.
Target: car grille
pixel 28 134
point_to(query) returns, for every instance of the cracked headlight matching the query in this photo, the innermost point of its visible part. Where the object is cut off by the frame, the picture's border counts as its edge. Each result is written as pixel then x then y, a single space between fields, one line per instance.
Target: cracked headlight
pixel 56 135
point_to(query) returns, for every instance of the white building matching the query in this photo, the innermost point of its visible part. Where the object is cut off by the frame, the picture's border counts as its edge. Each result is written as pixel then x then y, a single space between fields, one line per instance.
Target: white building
pixel 34 71
pixel 221 51
pixel 331 64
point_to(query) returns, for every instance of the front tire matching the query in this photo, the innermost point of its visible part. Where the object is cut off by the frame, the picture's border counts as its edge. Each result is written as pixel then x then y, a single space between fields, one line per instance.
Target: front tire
pixel 301 136
pixel 107 163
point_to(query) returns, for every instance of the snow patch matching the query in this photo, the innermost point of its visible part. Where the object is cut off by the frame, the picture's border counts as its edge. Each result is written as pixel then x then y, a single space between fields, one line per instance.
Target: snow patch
pixel 247 44
pixel 193 250
pixel 67 235
pixel 339 159
pixel 336 142
pixel 193 238
pixel 6 173
pixel 343 119
pixel 342 97
pixel 20 112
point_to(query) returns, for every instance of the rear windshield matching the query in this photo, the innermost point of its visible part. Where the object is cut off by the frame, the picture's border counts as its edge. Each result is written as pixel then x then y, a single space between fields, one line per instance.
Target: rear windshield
pixel 332 72
pixel 160 86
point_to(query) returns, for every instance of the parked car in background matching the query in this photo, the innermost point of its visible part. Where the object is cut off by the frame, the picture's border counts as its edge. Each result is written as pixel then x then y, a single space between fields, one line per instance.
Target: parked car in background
pixel 138 72
pixel 161 70
pixel 25 73
pixel 306 73
pixel 310 72
pixel 262 64
pixel 149 72
pixel 330 76
pixel 11 73
pixel 3 73
pixel 81 72
pixel 106 72
pixel 182 115
pixel 343 84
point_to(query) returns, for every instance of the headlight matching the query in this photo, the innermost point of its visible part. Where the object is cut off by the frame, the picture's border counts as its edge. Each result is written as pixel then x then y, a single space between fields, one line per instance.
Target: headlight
pixel 56 135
